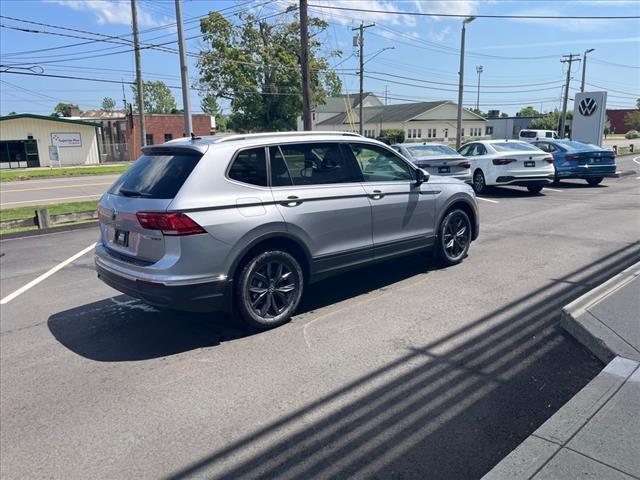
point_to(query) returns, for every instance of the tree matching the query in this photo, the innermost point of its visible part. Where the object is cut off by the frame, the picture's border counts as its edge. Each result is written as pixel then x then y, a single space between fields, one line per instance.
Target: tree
pixel 550 121
pixel 12 113
pixel 108 104
pixel 504 115
pixel 256 66
pixel 638 103
pixel 157 97
pixel 391 136
pixel 477 111
pixel 63 109
pixel 632 120
pixel 528 112
pixel 209 105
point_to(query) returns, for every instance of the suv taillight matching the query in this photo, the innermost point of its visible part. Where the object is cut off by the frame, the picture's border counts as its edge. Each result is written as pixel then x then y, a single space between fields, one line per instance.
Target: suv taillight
pixel 503 161
pixel 464 165
pixel 573 157
pixel 169 223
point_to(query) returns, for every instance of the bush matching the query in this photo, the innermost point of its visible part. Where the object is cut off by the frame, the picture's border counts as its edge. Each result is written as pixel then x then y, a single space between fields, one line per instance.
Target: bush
pixel 632 134
pixel 391 136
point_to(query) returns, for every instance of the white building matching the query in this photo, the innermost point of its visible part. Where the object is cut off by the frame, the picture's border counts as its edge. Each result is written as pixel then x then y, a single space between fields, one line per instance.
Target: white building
pixel 421 121
pixel 26 141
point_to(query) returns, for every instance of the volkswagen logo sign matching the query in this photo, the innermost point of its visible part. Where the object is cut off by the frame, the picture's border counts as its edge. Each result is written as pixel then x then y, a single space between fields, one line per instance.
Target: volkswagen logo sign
pixel 587 106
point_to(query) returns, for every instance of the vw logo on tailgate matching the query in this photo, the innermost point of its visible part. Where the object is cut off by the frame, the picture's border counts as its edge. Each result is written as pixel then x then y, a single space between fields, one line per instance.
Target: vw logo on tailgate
pixel 587 106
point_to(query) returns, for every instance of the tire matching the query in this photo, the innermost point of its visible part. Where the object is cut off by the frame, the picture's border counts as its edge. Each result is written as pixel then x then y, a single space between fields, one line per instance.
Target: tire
pixel 556 179
pixel 454 237
pixel 594 181
pixel 534 188
pixel 479 184
pixel 269 289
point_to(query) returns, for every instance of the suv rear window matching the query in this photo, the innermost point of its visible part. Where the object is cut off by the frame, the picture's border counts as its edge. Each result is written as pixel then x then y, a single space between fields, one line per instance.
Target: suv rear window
pixel 156 175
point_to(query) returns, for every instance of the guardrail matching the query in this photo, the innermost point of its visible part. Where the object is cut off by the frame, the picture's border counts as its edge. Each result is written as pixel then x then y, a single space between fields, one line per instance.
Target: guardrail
pixel 42 219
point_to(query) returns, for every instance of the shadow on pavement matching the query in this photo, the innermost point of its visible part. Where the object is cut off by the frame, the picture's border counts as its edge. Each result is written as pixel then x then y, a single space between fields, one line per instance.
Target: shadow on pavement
pixel 510 192
pixel 450 409
pixel 125 329
pixel 580 184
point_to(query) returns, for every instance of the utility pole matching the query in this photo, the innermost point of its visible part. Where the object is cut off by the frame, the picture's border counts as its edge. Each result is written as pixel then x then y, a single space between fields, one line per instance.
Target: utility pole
pixel 461 82
pixel 584 67
pixel 361 44
pixel 569 59
pixel 386 92
pixel 140 99
pixel 184 71
pixel 479 70
pixel 306 74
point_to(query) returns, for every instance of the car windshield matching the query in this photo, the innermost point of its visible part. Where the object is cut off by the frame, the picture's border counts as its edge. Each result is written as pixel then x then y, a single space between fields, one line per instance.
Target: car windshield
pixel 419 150
pixel 514 146
pixel 573 146
pixel 528 134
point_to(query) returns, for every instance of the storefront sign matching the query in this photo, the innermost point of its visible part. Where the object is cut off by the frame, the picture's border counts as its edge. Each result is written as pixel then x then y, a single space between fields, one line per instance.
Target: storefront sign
pixel 66 139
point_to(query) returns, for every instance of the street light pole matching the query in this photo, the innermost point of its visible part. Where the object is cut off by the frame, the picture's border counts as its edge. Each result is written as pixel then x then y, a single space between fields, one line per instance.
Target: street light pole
pixel 460 84
pixel 139 84
pixel 479 70
pixel 584 67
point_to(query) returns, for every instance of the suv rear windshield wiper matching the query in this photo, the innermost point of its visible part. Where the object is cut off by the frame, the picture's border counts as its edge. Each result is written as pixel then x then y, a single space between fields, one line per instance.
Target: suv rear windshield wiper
pixel 133 193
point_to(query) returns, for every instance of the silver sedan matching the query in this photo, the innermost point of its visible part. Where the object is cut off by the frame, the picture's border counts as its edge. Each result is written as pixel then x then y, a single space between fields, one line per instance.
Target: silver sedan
pixel 437 159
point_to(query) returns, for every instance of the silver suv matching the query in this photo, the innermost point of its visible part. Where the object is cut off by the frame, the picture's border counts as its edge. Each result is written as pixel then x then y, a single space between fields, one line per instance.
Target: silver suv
pixel 246 221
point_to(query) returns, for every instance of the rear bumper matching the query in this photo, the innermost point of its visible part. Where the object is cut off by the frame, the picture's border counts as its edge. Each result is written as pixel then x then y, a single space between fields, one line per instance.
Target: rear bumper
pixel 587 171
pixel 201 297
pixel 525 181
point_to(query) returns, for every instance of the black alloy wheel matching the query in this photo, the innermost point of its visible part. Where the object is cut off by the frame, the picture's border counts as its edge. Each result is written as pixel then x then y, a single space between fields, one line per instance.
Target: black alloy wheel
pixel 270 288
pixel 454 237
pixel 479 183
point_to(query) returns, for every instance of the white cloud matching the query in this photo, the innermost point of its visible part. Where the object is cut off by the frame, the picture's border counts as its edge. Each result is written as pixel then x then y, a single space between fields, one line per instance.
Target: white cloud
pixel 439 35
pixel 347 17
pixel 566 24
pixel 458 7
pixel 116 12
pixel 580 41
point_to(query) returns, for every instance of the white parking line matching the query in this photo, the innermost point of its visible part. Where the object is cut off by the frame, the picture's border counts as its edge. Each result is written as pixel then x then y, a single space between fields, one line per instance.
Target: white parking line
pixel 553 189
pixel 637 160
pixel 487 200
pixel 45 275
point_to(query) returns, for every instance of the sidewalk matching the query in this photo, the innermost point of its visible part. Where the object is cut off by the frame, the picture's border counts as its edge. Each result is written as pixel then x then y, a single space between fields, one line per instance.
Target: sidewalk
pixel 597 433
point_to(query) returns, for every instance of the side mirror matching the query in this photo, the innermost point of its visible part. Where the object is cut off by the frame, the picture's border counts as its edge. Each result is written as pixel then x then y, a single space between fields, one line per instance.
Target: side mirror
pixel 421 176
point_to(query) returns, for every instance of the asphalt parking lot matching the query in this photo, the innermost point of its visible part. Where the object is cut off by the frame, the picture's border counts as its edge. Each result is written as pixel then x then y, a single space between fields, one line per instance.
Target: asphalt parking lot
pixel 400 370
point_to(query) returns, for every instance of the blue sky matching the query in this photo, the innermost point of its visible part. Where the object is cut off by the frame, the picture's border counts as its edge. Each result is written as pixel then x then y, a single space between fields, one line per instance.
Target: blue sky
pixel 520 58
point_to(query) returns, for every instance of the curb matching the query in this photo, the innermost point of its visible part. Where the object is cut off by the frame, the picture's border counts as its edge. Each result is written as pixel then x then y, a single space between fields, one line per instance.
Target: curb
pixel 46 231
pixel 603 342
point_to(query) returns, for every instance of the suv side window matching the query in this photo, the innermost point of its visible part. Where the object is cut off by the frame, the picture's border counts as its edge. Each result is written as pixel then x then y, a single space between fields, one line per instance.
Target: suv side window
pixel 380 165
pixel 480 149
pixel 310 164
pixel 250 166
pixel 471 150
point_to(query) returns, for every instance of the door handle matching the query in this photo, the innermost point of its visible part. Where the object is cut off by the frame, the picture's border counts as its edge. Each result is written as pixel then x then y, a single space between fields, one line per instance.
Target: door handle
pixel 376 195
pixel 292 201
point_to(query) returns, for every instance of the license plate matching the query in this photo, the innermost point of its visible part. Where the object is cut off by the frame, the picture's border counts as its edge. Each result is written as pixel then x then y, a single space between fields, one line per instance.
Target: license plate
pixel 529 164
pixel 121 238
pixel 444 169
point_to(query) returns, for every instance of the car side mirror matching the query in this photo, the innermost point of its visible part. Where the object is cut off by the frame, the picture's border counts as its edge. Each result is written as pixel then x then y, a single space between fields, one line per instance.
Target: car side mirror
pixel 421 176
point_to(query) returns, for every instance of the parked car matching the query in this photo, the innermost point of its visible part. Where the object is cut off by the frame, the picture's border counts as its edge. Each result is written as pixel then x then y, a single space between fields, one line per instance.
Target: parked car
pixel 437 159
pixel 536 135
pixel 508 162
pixel 247 221
pixel 573 159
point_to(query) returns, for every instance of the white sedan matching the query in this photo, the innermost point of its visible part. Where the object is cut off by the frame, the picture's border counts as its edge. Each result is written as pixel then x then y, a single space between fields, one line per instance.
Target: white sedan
pixel 508 162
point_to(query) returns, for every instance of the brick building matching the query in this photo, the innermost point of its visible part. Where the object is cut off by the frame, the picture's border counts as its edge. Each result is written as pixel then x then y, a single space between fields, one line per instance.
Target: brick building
pixel 616 117
pixel 120 140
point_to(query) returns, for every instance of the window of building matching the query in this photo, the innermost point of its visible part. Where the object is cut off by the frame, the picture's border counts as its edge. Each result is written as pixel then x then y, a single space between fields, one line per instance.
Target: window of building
pixel 250 166
pixel 489 131
pixel 419 133
pixel 168 136
pixel 310 164
pixel 149 138
pixel 462 132
pixel 370 133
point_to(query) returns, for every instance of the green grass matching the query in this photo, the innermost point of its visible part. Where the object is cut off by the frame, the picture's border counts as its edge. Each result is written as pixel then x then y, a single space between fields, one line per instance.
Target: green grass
pixel 34 228
pixel 623 151
pixel 15 175
pixel 19 213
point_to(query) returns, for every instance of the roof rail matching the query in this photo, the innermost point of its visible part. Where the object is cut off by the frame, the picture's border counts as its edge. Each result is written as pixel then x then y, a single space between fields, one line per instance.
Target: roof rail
pixel 230 138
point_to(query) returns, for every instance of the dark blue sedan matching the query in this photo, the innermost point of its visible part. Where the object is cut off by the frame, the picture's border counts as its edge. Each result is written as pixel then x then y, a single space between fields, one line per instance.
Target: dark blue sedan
pixel 573 159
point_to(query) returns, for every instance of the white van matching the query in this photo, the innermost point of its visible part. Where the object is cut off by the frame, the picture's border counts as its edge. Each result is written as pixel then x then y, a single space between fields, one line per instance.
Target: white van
pixel 536 135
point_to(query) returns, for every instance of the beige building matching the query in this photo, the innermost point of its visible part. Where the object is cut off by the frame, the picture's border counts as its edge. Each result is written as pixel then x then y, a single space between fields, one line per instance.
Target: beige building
pixel 28 140
pixel 420 121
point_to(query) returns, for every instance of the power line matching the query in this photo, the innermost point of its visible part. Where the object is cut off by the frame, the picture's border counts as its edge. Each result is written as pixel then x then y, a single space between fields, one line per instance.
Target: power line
pixel 456 15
